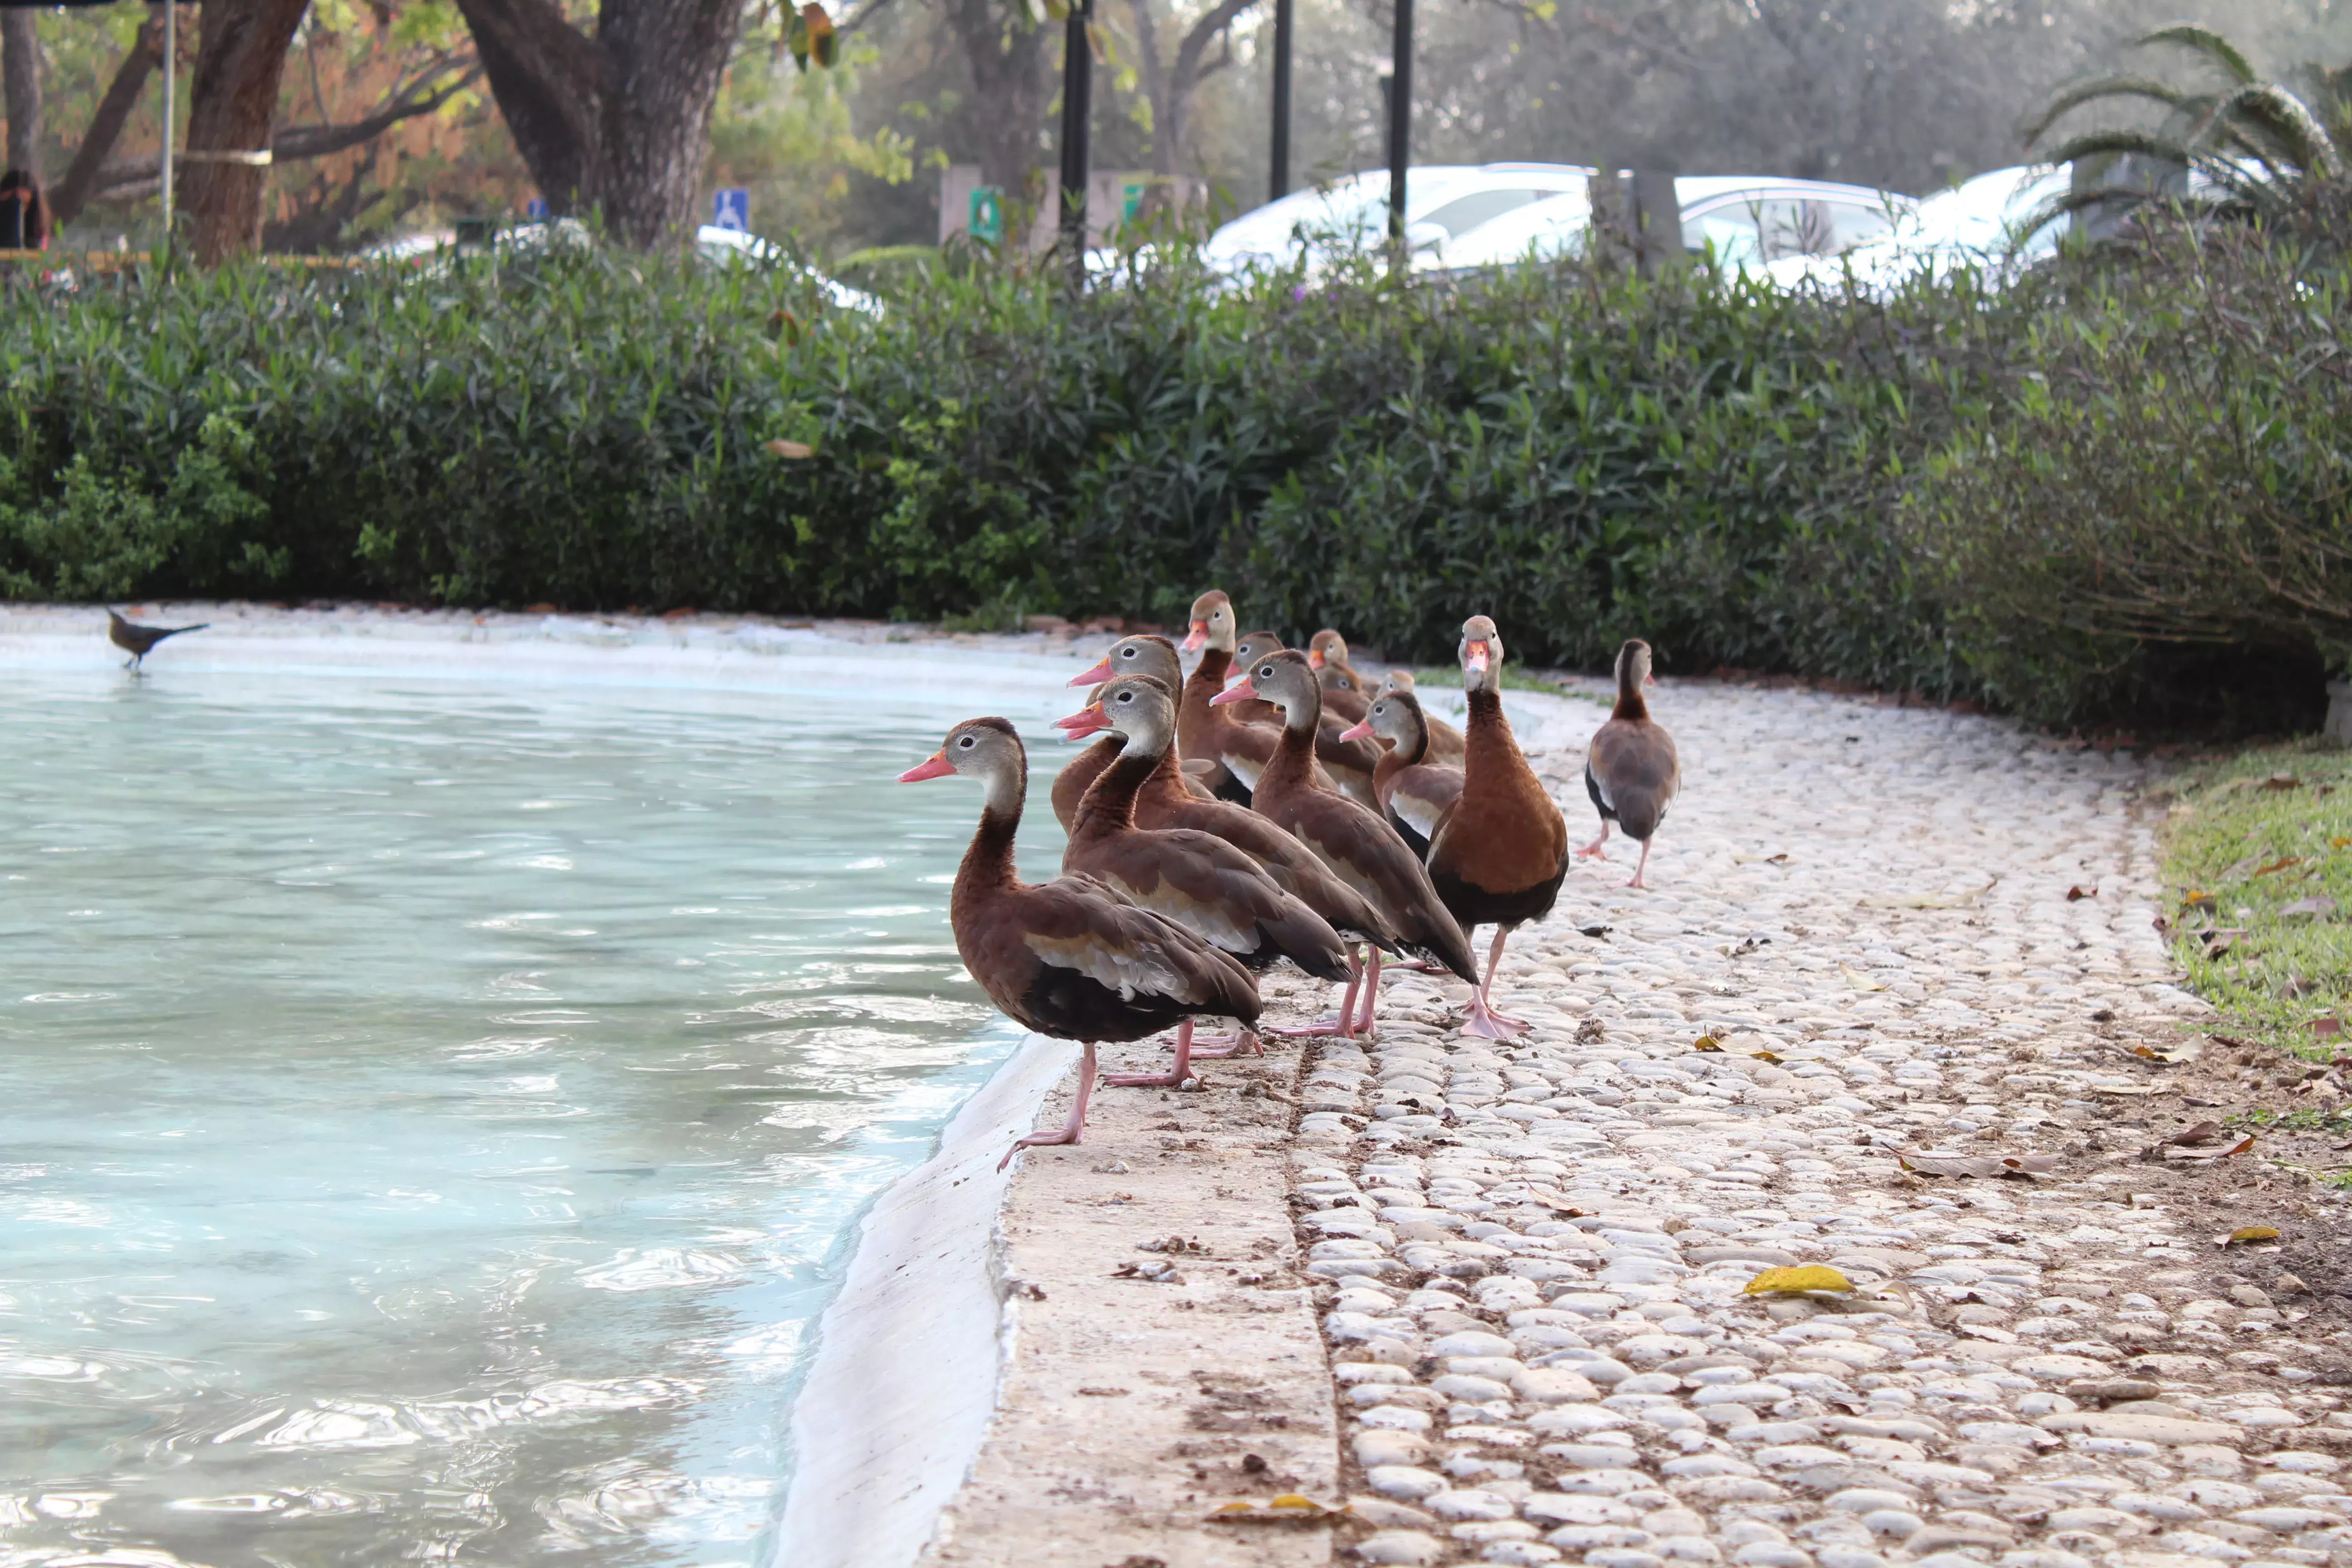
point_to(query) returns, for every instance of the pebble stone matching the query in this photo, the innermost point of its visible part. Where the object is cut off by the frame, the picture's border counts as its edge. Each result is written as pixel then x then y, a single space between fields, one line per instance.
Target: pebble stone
pixel 1539 1247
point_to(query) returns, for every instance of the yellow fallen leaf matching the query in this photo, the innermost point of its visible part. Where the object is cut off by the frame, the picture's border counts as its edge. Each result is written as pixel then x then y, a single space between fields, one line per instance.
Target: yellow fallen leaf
pixel 1288 1508
pixel 1233 1508
pixel 794 450
pixel 1768 1057
pixel 1707 1042
pixel 2254 1232
pixel 1293 1500
pixel 1811 1277
pixel 1859 982
pixel 1553 1200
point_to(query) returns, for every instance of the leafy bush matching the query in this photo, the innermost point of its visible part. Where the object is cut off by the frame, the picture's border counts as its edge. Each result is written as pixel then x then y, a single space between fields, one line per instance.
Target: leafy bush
pixel 1741 475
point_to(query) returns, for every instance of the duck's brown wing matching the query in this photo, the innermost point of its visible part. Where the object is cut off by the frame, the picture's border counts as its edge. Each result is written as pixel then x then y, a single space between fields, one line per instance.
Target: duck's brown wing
pixel 1419 796
pixel 1367 854
pixel 1074 959
pixel 1632 773
pixel 1294 867
pixel 1216 893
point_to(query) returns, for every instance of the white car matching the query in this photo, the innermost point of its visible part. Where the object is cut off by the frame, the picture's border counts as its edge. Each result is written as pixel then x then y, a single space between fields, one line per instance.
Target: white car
pixel 1442 202
pixel 1988 223
pixel 713 244
pixel 1748 223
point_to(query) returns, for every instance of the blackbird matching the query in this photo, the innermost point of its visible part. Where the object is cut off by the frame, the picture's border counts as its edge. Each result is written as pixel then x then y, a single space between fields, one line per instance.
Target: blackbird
pixel 138 640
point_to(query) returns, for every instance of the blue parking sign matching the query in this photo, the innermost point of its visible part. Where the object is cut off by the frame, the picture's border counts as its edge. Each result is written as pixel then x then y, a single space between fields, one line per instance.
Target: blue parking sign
pixel 731 208
pixel 535 208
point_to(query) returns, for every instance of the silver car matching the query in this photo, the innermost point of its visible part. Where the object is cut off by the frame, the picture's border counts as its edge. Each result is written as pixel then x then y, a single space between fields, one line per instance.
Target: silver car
pixel 1746 221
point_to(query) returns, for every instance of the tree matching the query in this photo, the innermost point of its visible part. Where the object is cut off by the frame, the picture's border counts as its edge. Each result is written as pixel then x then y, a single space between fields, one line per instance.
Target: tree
pixel 1004 50
pixel 20 63
pixel 1171 86
pixel 232 103
pixel 619 121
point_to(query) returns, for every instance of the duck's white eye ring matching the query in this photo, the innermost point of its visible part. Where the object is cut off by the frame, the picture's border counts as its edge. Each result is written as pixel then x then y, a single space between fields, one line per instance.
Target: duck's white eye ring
pixel 966 743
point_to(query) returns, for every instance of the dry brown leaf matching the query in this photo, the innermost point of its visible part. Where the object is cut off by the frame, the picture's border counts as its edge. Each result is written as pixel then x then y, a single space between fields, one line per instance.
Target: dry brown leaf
pixel 1707 1042
pixel 2075 894
pixel 1768 1057
pixel 1553 1200
pixel 2203 1133
pixel 2314 906
pixel 2240 1147
pixel 2279 865
pixel 2281 780
pixel 793 449
pixel 2328 1025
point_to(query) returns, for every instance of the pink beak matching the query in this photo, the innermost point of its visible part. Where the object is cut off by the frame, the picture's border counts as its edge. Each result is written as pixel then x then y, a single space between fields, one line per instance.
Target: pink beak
pixel 1197 639
pixel 1094 677
pixel 1084 722
pixel 1314 658
pixel 1649 680
pixel 1476 658
pixel 1362 732
pixel 1239 691
pixel 937 766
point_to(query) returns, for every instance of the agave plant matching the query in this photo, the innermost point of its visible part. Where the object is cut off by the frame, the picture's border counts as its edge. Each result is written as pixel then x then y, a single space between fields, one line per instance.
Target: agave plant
pixel 2248 147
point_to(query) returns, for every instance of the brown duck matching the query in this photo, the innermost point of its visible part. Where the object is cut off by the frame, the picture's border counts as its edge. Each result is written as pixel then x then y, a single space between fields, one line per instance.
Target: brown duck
pixel 1070 958
pixel 1414 791
pixel 1631 771
pixel 1444 739
pixel 1498 855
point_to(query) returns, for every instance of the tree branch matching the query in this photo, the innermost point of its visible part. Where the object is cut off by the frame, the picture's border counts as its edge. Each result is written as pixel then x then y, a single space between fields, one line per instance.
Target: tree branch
pixel 83 175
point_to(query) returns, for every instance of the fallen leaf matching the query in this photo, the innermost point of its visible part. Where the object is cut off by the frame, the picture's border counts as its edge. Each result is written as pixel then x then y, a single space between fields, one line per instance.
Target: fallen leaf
pixel 1779 860
pixel 2128 1089
pixel 1553 1200
pixel 2330 1025
pixel 2281 780
pixel 2240 1147
pixel 1707 1042
pixel 1859 982
pixel 2220 940
pixel 1933 1165
pixel 2196 899
pixel 1290 1508
pixel 1795 1281
pixel 1103 1393
pixel 2316 905
pixel 2077 893
pixel 793 449
pixel 2338 843
pixel 2170 1056
pixel 2254 1232
pixel 2279 865
pixel 1768 1057
pixel 2203 1133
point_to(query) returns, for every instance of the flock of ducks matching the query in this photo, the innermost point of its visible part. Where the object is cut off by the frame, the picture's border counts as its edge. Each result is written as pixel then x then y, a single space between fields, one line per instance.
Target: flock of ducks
pixel 1272 807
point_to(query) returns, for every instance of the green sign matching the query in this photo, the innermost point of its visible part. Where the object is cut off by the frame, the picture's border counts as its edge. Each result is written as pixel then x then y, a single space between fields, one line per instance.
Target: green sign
pixel 1132 193
pixel 986 219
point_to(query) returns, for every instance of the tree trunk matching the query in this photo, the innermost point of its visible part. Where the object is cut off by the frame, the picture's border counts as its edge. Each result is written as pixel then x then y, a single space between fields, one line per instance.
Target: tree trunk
pixel 663 59
pixel 20 61
pixel 1171 87
pixel 73 192
pixel 546 77
pixel 232 103
pixel 1011 88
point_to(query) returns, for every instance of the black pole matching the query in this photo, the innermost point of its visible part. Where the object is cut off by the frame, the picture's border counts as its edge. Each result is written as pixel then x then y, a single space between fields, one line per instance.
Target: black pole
pixel 1279 185
pixel 1400 124
pixel 1077 117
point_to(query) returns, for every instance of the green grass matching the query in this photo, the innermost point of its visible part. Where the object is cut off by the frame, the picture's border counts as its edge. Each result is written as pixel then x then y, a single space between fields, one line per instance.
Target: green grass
pixel 1516 678
pixel 2231 823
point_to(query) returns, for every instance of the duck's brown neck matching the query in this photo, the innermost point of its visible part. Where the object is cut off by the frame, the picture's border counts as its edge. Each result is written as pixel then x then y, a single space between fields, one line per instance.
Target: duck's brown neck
pixel 1293 761
pixel 1166 779
pixel 1630 704
pixel 1109 806
pixel 987 866
pixel 1414 745
pixel 1078 775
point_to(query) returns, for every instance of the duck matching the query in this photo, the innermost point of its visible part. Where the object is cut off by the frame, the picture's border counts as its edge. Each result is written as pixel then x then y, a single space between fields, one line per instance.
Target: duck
pixel 1171 798
pixel 1414 791
pixel 1631 770
pixel 1194 878
pixel 1236 752
pixel 1355 842
pixel 1498 857
pixel 1446 743
pixel 1350 763
pixel 1345 693
pixel 1070 958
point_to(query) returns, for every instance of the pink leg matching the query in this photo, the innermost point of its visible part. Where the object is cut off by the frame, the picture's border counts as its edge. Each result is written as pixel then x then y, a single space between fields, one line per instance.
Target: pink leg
pixel 1236 1043
pixel 1484 1022
pixel 1175 1075
pixel 1644 866
pixel 1371 995
pixel 1592 850
pixel 1344 1024
pixel 1069 1133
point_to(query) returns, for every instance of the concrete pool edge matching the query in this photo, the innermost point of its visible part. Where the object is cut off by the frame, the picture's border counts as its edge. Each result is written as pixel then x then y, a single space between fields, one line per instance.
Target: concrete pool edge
pixel 903 1386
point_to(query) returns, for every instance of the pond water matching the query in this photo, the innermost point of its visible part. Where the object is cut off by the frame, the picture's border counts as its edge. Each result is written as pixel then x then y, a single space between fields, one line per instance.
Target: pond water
pixel 432 1112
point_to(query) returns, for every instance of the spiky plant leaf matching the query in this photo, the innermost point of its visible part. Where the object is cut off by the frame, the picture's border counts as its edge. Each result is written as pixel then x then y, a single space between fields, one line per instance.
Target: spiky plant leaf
pixel 2207 42
pixel 2072 98
pixel 2279 116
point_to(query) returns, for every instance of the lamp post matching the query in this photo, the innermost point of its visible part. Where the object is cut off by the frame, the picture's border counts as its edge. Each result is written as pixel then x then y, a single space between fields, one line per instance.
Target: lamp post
pixel 1278 185
pixel 1400 123
pixel 1077 107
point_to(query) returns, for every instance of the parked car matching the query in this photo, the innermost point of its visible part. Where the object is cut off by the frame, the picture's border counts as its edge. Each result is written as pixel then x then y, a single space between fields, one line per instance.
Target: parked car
pixel 1747 222
pixel 1442 202
pixel 1988 223
pixel 721 247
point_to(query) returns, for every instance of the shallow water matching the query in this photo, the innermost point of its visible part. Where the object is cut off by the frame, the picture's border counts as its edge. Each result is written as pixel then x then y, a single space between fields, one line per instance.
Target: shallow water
pixel 431 1110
